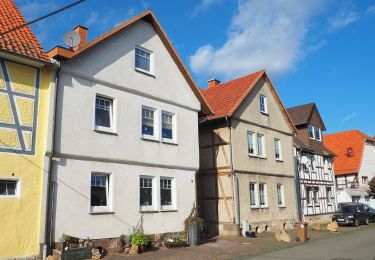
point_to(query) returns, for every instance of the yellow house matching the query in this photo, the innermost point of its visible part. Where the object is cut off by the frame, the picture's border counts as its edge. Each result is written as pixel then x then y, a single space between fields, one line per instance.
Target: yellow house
pixel 25 79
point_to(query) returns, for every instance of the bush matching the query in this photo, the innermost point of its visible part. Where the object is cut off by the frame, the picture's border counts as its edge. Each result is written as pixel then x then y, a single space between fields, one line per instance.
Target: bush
pixel 140 239
pixel 371 185
pixel 175 241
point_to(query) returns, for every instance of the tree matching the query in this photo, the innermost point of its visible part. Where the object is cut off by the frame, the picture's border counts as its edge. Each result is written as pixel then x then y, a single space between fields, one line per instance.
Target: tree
pixel 371 185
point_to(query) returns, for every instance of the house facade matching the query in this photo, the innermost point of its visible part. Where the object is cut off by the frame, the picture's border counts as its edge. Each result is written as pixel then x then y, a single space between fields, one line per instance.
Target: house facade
pixel 126 147
pixel 247 172
pixel 314 164
pixel 354 165
pixel 25 78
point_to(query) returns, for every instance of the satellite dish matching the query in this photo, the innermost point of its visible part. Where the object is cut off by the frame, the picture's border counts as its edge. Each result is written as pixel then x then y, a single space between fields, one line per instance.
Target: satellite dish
pixel 72 39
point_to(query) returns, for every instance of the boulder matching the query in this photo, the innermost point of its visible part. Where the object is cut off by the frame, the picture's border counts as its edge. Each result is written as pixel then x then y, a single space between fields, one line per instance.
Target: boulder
pixel 316 226
pixel 282 235
pixel 126 250
pixel 333 227
pixel 134 250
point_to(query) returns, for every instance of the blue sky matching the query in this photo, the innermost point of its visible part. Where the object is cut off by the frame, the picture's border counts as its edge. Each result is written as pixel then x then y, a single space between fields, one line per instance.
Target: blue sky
pixel 320 51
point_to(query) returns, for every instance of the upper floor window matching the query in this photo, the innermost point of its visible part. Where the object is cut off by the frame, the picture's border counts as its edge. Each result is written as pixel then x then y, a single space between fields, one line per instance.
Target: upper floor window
pixel 251 143
pixel 148 122
pixel 104 113
pixel 261 145
pixel 315 133
pixel 168 126
pixel 263 104
pixel 278 149
pixel 8 188
pixel 143 59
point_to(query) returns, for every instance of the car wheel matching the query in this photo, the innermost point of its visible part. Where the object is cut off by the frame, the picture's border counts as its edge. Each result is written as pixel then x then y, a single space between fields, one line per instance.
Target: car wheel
pixel 355 222
pixel 366 221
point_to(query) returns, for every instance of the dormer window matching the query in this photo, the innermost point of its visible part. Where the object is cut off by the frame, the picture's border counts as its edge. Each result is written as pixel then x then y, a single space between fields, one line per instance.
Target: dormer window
pixel 315 133
pixel 263 104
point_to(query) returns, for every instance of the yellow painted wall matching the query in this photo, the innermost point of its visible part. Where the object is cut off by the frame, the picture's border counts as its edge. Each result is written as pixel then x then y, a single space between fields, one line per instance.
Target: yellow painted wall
pixel 20 217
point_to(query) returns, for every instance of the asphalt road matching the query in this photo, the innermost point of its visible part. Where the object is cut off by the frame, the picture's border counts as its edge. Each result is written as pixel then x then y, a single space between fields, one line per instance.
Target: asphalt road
pixel 356 245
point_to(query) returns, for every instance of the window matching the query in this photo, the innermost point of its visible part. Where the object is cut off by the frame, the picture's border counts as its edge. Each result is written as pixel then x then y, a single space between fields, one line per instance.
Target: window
pixel 253 196
pixel 146 192
pixel 356 199
pixel 166 194
pixel 305 168
pixel 308 195
pixel 329 195
pixel 142 59
pixel 263 104
pixel 167 126
pixel 280 195
pixel 364 180
pixel 278 149
pixel 99 192
pixel 103 113
pixel 260 143
pixel 148 122
pixel 251 143
pixel 312 160
pixel 262 195
pixel 311 132
pixel 316 196
pixel 8 188
pixel 318 134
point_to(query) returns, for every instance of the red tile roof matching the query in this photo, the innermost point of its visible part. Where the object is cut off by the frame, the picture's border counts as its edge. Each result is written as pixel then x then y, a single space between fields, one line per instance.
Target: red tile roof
pixel 21 41
pixel 339 143
pixel 226 97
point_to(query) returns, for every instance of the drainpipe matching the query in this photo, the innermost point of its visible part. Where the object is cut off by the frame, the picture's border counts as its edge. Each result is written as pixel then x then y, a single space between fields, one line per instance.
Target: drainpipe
pixel 298 183
pixel 236 193
pixel 51 182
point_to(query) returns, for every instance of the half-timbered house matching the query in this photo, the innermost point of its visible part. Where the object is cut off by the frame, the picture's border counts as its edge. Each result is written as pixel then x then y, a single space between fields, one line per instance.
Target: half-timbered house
pixel 315 173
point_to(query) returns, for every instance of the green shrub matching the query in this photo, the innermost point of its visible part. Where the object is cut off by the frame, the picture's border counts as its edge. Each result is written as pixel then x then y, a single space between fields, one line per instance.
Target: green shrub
pixel 140 239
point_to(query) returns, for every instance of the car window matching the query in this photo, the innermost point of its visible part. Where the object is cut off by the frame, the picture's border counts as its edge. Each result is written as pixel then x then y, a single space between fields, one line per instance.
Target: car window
pixel 347 209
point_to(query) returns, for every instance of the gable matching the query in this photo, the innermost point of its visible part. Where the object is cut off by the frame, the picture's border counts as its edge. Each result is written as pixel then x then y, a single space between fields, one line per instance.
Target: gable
pixel 112 61
pixel 315 119
pixel 249 110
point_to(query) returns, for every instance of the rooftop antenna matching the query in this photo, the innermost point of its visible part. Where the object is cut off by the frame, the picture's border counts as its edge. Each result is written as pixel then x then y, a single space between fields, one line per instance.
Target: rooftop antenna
pixel 72 39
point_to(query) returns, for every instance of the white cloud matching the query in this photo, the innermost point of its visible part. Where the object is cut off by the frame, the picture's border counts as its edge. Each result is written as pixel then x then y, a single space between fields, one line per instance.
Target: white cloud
pixel 263 35
pixel 342 19
pixel 371 10
pixel 349 117
pixel 204 6
pixel 92 18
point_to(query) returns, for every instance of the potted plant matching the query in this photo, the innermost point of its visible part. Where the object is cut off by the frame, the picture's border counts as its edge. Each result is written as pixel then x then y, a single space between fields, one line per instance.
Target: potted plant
pixel 175 241
pixel 140 240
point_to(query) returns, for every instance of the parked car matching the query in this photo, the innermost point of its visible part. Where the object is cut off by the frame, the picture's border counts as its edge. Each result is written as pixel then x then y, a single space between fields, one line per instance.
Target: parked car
pixel 351 214
pixel 370 212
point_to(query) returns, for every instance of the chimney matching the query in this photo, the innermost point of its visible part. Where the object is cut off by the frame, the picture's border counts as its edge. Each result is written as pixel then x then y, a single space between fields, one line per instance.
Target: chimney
pixel 82 31
pixel 213 82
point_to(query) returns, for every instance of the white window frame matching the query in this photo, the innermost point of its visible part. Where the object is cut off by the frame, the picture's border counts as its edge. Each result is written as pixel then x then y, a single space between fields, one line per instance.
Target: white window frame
pixel 151 72
pixel 309 197
pixel 320 134
pixel 174 127
pixel 155 197
pixel 313 132
pixel 256 195
pixel 252 135
pixel 265 195
pixel 264 104
pixel 315 191
pixel 113 114
pixel 282 194
pixel 156 135
pixel 109 207
pixel 18 188
pixel 277 143
pixel 263 146
pixel 173 194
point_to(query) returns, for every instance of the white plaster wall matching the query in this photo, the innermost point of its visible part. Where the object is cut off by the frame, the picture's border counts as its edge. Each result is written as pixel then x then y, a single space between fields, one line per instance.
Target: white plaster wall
pixel 73 203
pixel 368 162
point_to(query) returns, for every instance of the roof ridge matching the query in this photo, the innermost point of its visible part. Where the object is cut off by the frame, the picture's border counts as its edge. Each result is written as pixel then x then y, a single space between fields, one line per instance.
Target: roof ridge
pixel 239 78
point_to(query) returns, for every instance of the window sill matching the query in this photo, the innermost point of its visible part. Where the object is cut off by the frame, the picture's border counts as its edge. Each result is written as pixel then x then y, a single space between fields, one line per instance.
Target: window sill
pixel 168 210
pixel 9 197
pixel 144 72
pixel 282 207
pixel 151 139
pixel 279 160
pixel 169 142
pixel 262 157
pixel 264 113
pixel 149 211
pixel 264 207
pixel 101 212
pixel 254 207
pixel 103 131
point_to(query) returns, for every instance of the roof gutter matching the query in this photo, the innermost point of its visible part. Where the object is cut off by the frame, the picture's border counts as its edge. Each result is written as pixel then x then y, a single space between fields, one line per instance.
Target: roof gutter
pixel 13 56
